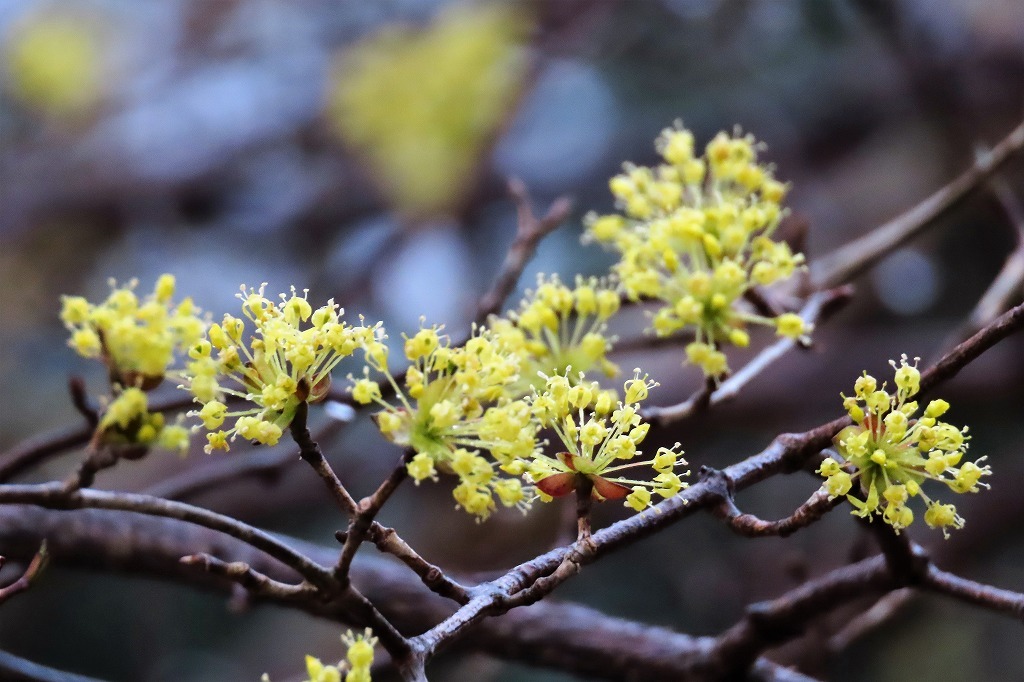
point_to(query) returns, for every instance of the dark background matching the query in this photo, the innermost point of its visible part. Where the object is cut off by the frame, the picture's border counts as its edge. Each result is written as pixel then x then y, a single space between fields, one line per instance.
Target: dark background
pixel 203 138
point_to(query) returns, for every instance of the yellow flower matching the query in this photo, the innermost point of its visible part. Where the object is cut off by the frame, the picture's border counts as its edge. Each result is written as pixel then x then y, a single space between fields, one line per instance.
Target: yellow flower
pixel 454 404
pixel 556 327
pixel 893 454
pixel 696 234
pixel 596 443
pixel 286 360
pixel 139 340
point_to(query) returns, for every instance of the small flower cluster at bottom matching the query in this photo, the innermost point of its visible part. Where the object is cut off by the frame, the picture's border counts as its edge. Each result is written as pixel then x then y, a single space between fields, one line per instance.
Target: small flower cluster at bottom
pixel 893 454
pixel 356 665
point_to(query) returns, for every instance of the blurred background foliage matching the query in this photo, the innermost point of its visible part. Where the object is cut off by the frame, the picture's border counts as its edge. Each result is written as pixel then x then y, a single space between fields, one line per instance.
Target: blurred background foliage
pixel 362 149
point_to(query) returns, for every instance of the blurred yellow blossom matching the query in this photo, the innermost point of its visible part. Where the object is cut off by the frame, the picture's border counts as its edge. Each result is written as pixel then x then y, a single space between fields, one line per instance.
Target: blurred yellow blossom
pixel 138 339
pixel 54 62
pixel 421 104
pixel 126 420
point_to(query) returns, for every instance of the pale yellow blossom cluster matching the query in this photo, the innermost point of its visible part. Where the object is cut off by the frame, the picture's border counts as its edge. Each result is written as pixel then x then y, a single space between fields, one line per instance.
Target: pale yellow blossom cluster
pixel 893 453
pixel 598 440
pixel 452 405
pixel 278 355
pixel 355 667
pixel 478 411
pixel 695 233
pixel 139 340
pixel 557 326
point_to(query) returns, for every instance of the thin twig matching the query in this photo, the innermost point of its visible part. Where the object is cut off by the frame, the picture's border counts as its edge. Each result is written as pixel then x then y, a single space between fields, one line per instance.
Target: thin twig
pixel 362 521
pixel 529 233
pixel 814 509
pixel 310 452
pixel 985 596
pixel 880 612
pixel 1010 279
pixel 572 564
pixel 80 399
pixel 952 362
pixel 388 541
pixel 849 260
pixel 101 456
pixel 762 303
pixel 584 501
pixel 26 579
pixel 255 582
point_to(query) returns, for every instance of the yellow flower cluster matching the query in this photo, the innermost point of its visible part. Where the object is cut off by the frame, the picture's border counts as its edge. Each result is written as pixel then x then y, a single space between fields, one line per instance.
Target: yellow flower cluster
pixel 696 234
pixel 598 434
pixel 54 62
pixel 421 103
pixel 137 339
pixel 557 327
pixel 453 404
pixel 894 453
pixel 356 666
pixel 126 420
pixel 285 360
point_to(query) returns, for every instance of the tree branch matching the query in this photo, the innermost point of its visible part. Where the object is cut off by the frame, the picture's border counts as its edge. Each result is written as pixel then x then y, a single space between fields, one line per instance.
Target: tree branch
pixel 529 234
pixel 362 522
pixel 1008 282
pixel 310 452
pixel 16 669
pixel 814 509
pixel 25 580
pixel 255 582
pixel 768 624
pixel 53 496
pixel 985 596
pixel 851 259
pixel 567 637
